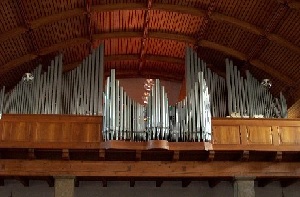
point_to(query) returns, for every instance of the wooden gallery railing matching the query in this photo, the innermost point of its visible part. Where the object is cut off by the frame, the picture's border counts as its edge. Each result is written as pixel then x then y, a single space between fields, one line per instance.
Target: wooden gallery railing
pixel 50 131
pixel 84 132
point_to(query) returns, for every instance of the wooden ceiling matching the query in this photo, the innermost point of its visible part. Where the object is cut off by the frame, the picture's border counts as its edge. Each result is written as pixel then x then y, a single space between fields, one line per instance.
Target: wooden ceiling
pixel 148 38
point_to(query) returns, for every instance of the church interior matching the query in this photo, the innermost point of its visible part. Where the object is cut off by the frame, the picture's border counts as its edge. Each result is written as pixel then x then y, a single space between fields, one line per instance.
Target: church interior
pixel 149 98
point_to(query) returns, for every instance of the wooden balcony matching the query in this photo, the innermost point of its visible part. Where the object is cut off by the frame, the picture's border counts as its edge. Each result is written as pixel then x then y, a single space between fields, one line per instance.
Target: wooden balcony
pixel 52 145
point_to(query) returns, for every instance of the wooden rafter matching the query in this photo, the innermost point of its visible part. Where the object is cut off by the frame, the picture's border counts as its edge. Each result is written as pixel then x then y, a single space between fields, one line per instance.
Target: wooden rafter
pixel 269 27
pixel 294 4
pixel 17 62
pixel 63 45
pixel 24 18
pixel 204 24
pixel 89 23
pixel 157 6
pixel 145 34
pixel 171 36
pixel 56 17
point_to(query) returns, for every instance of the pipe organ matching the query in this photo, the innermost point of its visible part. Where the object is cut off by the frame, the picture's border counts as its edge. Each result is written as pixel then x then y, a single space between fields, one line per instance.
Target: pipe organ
pixel 83 86
pixel 52 92
pixel 245 96
pixel 80 91
pixel 248 98
pixel 39 96
pixel 216 84
pixel 125 119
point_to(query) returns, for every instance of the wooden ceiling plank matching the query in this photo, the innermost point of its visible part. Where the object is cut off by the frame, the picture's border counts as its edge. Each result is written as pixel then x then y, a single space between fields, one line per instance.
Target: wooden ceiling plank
pixel 157 6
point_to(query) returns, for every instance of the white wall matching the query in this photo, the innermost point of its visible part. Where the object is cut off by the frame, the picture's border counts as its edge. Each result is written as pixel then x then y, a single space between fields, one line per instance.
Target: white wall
pixel 144 189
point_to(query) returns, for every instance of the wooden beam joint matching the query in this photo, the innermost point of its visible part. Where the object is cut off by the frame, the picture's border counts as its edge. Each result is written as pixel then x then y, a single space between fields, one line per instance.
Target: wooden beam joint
pixel 138 155
pixel 132 183
pixel 264 182
pixel 213 182
pixel 176 155
pixel 50 181
pixel 159 183
pixel 104 182
pixel 101 154
pixel 211 155
pixel 278 156
pixel 31 154
pixel 185 182
pixel 65 154
pixel 245 155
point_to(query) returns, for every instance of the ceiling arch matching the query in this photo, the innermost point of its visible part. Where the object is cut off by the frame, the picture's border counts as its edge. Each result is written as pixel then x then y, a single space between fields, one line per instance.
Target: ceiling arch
pixel 159 35
pixel 156 6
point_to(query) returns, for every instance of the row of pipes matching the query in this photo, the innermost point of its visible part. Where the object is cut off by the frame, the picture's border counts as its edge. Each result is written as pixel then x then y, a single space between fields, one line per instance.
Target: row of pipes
pixel 54 92
pixel 80 91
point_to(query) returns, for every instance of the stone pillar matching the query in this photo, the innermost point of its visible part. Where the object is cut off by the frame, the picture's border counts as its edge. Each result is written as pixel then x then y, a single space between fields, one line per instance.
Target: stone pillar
pixel 244 187
pixel 64 186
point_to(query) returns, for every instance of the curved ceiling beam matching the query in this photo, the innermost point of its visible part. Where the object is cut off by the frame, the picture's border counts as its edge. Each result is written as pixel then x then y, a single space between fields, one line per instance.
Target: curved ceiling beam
pixel 53 48
pixel 257 63
pixel 40 22
pixel 17 62
pixel 170 36
pixel 156 6
pixel 200 13
pixel 147 74
pixel 63 45
pixel 124 57
pixel 12 33
pixel 294 4
pixel 56 17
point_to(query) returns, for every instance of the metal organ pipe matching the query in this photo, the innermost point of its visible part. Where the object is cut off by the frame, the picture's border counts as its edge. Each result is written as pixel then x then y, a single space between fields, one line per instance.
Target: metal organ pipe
pixel 248 98
pixel 52 92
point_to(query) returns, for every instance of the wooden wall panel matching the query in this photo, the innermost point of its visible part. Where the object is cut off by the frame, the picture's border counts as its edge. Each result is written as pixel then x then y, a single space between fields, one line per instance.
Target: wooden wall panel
pixel 19 131
pixel 48 132
pixel 45 129
pixel 226 135
pixel 289 135
pixel 85 132
pixel 259 135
